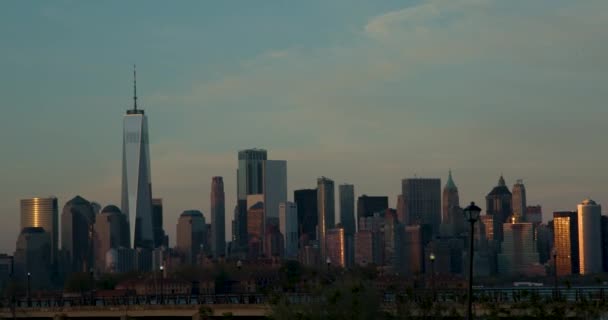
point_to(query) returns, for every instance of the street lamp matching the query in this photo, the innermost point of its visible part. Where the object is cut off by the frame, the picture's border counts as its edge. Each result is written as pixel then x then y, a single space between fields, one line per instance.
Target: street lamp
pixel 29 289
pixel 432 258
pixel 471 213
pixel 92 279
pixel 328 261
pixel 239 265
pixel 555 273
pixel 162 275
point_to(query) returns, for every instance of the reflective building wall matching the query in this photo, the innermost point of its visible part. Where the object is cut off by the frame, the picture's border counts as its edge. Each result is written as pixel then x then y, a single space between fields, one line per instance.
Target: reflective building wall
pixel 326 210
pixel 43 213
pixel 565 242
pixel 589 237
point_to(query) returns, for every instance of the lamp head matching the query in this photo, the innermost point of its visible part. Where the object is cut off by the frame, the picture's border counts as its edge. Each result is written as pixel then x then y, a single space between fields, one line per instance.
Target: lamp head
pixel 472 212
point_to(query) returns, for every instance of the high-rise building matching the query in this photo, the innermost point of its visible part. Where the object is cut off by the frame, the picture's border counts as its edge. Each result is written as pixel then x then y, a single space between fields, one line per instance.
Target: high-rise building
pixel 604 243
pixel 368 205
pixel 218 217
pixel 157 223
pixel 308 217
pixel 451 213
pixel 519 199
pixel 33 256
pixel 273 241
pixel 275 187
pixel 77 221
pixel 413 247
pixel 422 200
pixel 111 232
pixel 589 237
pixel 250 180
pixel 43 213
pixel 255 229
pixel 393 241
pixel 401 211
pixel 368 247
pixel 347 208
pixel 190 235
pixel 499 205
pixel 136 176
pixel 336 247
pixel 519 252
pixel 326 210
pixel 288 222
pixel 565 242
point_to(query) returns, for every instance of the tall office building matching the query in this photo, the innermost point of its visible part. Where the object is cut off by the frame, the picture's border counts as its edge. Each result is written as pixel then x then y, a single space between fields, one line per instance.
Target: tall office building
pixel 534 214
pixel 157 223
pixel 308 217
pixel 347 208
pixel 111 232
pixel 451 213
pixel 565 242
pixel 275 187
pixel 519 252
pixel 288 225
pixel 519 199
pixel 422 200
pixel 413 247
pixel 33 256
pixel 336 247
pixel 190 235
pixel 250 180
pixel 218 217
pixel 368 205
pixel 255 229
pixel 326 210
pixel 589 237
pixel 136 176
pixel 401 211
pixel 77 221
pixel 347 219
pixel 43 213
pixel 499 205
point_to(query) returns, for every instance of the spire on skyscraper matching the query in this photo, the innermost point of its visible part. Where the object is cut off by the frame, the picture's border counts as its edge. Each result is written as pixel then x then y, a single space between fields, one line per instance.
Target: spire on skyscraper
pixel 450 185
pixel 134 88
pixel 501 181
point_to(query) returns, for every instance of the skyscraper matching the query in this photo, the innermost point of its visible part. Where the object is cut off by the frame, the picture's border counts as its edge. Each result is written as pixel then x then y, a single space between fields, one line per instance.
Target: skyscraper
pixel 157 222
pixel 218 217
pixel 111 232
pixel 499 206
pixel 336 247
pixel 275 186
pixel 255 229
pixel 33 256
pixel 288 223
pixel 401 211
pixel 326 211
pixel 190 234
pixel 368 205
pixel 519 251
pixel 565 243
pixel 77 221
pixel 306 203
pixel 422 200
pixel 43 213
pixel 347 208
pixel 589 237
pixel 136 177
pixel 519 199
pixel 451 213
pixel 250 180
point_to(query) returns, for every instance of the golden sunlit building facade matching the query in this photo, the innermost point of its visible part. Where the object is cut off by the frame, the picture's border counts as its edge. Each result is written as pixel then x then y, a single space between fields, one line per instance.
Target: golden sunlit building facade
pixel 589 237
pixel 42 213
pixel 565 242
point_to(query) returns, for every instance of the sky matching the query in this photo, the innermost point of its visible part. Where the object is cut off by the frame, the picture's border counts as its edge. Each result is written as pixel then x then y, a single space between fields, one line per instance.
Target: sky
pixel 363 92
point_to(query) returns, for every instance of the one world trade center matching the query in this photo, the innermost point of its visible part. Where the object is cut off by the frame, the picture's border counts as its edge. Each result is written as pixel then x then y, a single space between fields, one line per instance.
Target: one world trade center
pixel 136 178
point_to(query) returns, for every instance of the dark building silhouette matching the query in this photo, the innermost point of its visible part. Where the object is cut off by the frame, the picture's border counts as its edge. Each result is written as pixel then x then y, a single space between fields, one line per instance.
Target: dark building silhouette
pixel 565 242
pixel 77 222
pixel 326 209
pixel 368 205
pixel 190 235
pixel 157 223
pixel 111 232
pixel 605 243
pixel 33 255
pixel 347 208
pixel 422 201
pixel 218 217
pixel 43 213
pixel 255 230
pixel 499 205
pixel 306 202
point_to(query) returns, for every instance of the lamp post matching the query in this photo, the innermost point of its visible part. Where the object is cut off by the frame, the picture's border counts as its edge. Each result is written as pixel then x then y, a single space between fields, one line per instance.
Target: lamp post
pixel 555 283
pixel 162 276
pixel 432 258
pixel 29 289
pixel 328 261
pixel 471 213
pixel 92 280
pixel 239 265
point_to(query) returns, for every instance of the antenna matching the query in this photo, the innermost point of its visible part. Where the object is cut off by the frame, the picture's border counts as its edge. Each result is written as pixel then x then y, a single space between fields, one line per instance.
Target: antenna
pixel 134 88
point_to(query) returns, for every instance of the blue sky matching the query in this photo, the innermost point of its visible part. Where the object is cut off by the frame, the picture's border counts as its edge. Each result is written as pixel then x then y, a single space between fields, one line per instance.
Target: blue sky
pixel 365 92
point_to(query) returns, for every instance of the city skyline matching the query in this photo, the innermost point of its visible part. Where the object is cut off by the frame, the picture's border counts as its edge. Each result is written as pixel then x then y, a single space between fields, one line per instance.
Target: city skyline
pixel 372 125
